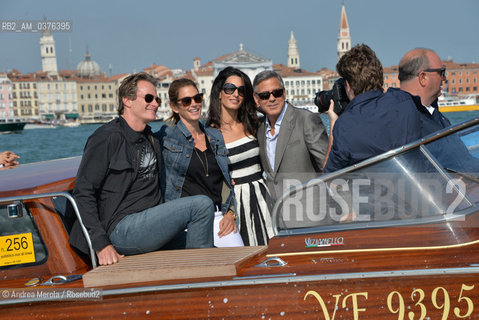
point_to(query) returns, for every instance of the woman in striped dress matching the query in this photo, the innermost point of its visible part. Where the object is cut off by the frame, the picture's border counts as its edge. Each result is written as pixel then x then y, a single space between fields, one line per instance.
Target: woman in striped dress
pixel 233 112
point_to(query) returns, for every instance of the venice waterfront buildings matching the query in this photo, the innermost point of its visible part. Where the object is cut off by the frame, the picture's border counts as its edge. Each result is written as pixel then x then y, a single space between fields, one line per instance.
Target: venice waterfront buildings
pixel 88 95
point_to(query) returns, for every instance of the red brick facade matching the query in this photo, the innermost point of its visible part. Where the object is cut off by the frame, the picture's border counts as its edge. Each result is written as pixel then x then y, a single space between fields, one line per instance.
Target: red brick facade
pixel 462 78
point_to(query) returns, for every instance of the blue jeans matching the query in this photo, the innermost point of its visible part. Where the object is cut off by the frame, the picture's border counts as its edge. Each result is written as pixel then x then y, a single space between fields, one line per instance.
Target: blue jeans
pixel 154 228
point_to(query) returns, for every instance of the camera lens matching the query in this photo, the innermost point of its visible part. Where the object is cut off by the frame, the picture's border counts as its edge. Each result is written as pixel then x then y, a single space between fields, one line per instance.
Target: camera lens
pixel 322 100
pixel 337 94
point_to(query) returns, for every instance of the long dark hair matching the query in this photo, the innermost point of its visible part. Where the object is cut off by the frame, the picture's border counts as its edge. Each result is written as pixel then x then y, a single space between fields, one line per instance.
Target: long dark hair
pixel 247 112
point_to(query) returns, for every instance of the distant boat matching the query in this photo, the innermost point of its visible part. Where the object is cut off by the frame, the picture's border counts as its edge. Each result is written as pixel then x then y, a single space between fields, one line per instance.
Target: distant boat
pixel 71 124
pixel 454 103
pixel 97 118
pixel 39 125
pixel 308 106
pixel 9 125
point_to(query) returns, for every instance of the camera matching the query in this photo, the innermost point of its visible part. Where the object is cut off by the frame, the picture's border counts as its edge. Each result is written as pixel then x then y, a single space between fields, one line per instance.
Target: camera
pixel 337 93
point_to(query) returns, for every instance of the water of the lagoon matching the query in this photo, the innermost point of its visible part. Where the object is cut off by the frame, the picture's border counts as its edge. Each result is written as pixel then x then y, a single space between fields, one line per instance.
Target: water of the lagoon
pixel 45 144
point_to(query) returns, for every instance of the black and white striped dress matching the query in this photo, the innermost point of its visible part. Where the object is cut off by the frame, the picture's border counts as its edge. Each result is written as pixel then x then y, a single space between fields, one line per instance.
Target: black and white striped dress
pixel 252 196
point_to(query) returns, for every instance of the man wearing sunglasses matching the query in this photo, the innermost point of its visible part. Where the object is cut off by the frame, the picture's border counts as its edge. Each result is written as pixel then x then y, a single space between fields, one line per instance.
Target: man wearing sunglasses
pixel 422 74
pixel 293 142
pixel 117 187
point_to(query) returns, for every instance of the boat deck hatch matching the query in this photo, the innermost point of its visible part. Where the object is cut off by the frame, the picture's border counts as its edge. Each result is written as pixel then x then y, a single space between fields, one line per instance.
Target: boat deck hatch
pixel 174 264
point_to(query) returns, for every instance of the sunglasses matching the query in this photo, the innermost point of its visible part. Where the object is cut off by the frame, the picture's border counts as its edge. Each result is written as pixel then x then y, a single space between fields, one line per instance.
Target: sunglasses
pixel 441 71
pixel 149 98
pixel 230 88
pixel 266 94
pixel 186 101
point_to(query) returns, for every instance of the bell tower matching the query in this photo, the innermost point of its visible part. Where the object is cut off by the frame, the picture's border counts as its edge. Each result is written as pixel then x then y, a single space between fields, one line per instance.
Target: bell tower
pixel 344 37
pixel 48 53
pixel 293 54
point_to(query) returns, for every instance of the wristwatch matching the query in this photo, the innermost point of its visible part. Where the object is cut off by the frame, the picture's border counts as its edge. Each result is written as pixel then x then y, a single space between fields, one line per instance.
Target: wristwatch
pixel 233 214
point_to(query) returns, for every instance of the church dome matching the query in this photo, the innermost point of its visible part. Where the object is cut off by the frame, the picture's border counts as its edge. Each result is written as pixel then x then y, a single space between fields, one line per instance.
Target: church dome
pixel 88 68
pixel 242 57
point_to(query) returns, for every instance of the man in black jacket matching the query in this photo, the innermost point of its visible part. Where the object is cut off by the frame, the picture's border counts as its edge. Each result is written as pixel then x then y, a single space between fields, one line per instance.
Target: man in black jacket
pixel 117 187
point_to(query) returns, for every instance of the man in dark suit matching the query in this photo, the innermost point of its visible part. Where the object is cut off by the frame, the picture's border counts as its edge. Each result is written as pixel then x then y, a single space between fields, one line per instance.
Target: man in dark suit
pixel 293 142
pixel 422 74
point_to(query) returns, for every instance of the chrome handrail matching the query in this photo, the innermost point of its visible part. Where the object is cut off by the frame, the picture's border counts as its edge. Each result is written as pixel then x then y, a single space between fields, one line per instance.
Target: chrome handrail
pixel 75 208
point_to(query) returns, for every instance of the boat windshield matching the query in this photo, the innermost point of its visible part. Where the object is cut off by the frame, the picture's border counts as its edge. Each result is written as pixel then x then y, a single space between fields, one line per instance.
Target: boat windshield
pixel 433 179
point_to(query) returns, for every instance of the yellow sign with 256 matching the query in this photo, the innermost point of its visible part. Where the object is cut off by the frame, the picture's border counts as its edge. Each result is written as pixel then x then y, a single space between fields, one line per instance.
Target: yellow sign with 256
pixel 16 249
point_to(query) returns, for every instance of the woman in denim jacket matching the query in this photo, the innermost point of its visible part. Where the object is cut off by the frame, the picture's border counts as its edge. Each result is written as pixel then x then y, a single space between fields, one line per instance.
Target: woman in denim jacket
pixel 195 159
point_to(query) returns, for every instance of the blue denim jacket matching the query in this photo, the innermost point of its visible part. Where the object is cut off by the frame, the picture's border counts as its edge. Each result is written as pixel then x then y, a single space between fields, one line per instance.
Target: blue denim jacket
pixel 177 147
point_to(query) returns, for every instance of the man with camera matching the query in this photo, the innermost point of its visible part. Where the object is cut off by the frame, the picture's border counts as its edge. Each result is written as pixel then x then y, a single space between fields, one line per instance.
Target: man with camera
pixel 373 122
pixel 293 142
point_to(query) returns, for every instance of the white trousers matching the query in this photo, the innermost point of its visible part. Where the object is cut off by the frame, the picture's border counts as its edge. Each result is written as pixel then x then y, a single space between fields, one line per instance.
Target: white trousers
pixel 230 240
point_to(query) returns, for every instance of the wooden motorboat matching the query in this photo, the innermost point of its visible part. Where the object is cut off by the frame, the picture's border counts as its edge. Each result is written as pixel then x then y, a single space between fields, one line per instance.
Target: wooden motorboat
pixel 394 237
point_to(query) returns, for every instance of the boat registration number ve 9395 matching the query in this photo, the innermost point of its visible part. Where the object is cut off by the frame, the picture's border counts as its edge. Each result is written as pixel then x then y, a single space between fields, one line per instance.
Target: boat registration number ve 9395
pixel 16 249
pixel 415 306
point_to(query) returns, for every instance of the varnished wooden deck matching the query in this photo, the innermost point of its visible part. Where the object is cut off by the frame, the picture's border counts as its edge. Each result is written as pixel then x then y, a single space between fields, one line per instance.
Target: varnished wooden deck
pixel 175 264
